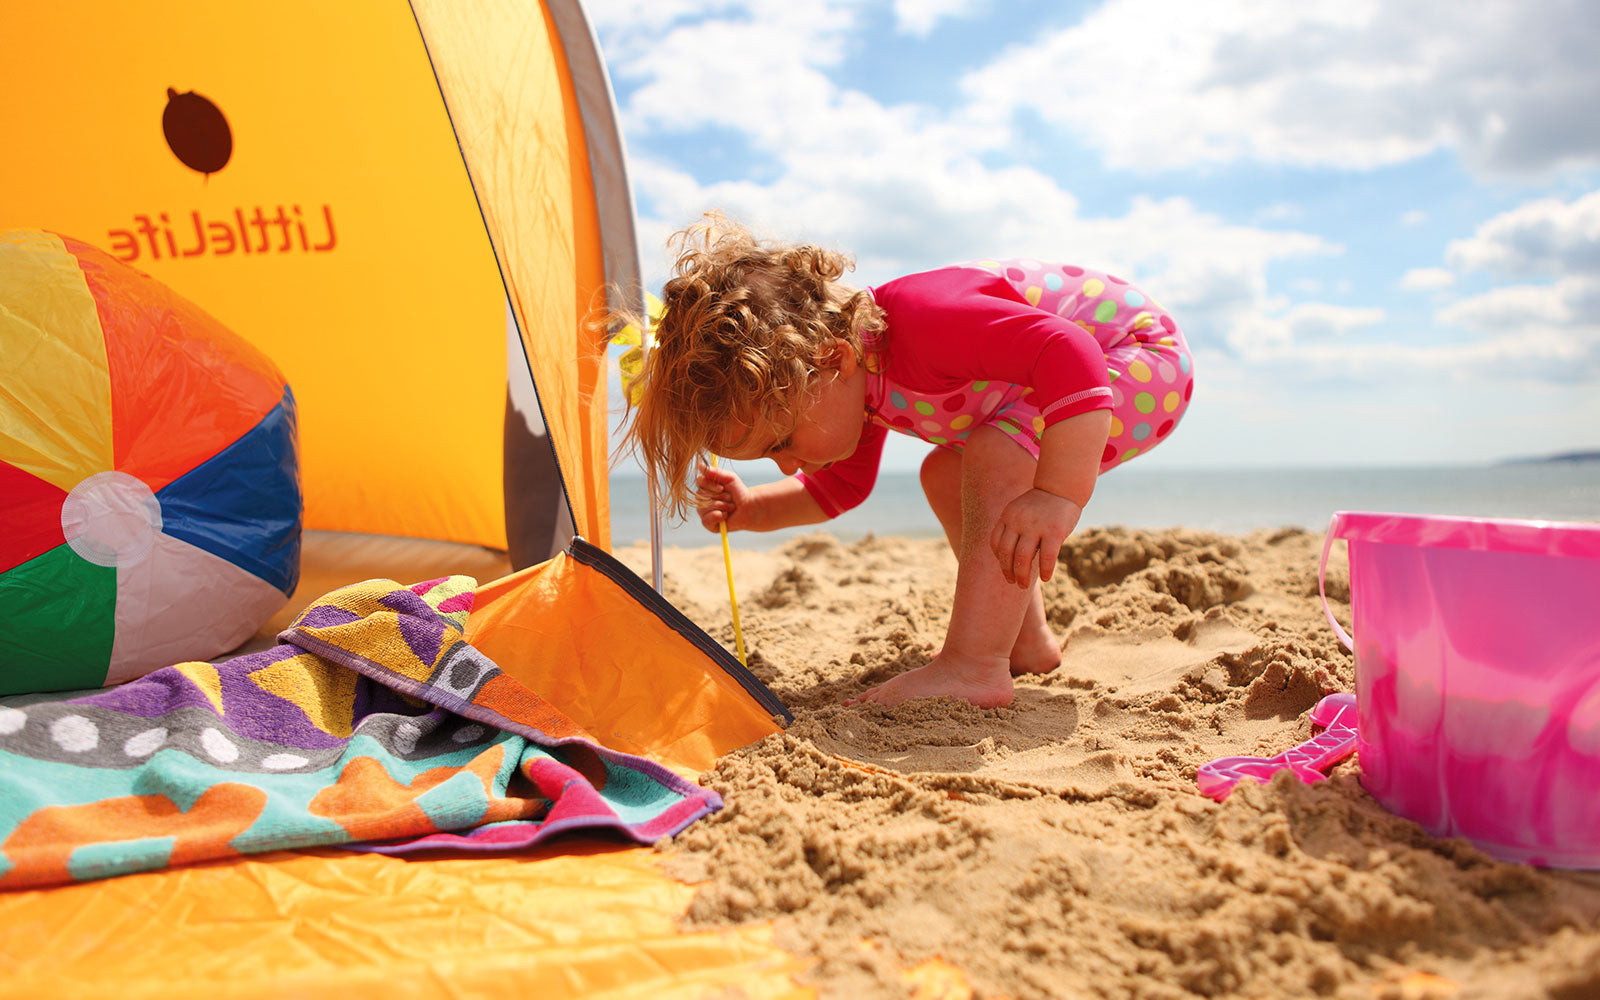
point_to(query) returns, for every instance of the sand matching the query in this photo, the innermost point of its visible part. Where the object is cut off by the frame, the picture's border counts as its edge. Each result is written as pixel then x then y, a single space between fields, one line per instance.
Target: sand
pixel 1059 847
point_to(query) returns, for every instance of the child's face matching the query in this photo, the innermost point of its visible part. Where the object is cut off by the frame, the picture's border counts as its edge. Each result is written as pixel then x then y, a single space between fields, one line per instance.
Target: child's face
pixel 831 415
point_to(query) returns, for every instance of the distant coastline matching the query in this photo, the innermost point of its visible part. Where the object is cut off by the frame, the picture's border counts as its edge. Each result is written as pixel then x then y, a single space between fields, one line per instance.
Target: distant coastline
pixel 1563 457
pixel 1224 500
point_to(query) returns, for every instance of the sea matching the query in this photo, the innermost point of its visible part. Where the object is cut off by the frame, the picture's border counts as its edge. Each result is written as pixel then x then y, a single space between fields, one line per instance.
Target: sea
pixel 1224 500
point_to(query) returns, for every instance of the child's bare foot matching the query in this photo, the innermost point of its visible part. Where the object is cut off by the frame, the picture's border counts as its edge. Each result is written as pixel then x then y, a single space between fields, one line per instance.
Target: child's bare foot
pixel 1037 651
pixel 985 683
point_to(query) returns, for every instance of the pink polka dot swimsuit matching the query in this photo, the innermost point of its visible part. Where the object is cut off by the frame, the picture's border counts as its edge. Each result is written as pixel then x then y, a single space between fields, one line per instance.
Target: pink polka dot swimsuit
pixel 1019 345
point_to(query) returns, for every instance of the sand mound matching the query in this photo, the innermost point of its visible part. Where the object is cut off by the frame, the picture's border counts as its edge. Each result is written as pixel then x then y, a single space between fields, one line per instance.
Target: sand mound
pixel 1059 847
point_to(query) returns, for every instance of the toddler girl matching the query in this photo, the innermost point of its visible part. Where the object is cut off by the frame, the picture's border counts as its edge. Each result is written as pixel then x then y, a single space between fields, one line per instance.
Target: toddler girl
pixel 1030 379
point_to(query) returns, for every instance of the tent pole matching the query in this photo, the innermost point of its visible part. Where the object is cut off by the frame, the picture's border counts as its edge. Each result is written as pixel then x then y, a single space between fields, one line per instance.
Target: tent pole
pixel 655 539
pixel 646 341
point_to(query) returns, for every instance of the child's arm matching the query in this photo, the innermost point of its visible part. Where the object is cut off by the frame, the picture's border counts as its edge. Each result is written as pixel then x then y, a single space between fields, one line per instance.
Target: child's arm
pixel 1029 532
pixel 723 498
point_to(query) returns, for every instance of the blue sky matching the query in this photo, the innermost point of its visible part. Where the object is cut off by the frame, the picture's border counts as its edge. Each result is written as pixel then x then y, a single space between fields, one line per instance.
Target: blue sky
pixel 1378 223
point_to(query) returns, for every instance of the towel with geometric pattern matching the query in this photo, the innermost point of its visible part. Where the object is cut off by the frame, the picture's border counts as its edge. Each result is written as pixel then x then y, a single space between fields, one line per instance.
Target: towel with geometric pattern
pixel 373 725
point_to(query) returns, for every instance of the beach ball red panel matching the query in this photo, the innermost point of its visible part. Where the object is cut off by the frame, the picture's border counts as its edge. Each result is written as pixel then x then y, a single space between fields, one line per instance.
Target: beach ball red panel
pixel 149 481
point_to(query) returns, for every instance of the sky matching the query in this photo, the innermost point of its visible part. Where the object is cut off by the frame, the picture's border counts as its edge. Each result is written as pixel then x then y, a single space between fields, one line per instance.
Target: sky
pixel 1377 223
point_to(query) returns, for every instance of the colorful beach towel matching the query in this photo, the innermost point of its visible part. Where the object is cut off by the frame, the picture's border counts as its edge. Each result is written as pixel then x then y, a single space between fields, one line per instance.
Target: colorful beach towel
pixel 372 723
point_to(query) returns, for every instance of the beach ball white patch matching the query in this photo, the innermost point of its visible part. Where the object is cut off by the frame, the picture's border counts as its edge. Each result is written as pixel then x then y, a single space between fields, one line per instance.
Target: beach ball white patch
pixel 283 761
pixel 111 519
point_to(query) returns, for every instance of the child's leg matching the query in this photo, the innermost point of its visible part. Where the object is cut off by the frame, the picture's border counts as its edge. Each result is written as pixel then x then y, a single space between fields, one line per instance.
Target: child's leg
pixel 987 614
pixel 1036 650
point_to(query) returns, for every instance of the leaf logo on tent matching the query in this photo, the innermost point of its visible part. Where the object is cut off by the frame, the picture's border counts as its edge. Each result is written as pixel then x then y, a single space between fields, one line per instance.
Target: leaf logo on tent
pixel 197 132
pixel 632 362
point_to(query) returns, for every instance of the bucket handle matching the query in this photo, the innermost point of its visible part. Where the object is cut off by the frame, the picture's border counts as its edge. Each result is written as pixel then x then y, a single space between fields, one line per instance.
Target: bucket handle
pixel 1335 525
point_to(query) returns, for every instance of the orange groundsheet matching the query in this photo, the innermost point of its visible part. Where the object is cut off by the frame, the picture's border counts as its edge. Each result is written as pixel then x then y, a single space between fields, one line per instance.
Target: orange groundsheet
pixel 579 919
pixel 585 917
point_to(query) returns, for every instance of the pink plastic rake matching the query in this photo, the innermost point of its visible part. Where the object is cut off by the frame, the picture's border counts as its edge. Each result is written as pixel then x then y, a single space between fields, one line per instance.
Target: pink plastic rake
pixel 1335 712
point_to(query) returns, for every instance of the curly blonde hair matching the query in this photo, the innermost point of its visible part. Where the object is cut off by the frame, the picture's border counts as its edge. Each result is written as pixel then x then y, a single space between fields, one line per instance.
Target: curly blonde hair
pixel 747 325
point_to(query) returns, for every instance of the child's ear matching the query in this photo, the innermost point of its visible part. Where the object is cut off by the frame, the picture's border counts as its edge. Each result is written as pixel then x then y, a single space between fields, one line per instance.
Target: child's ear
pixel 843 357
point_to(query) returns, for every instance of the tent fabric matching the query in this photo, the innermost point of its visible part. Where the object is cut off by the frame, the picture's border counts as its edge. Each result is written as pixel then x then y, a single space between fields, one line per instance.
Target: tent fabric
pixel 343 235
pixel 537 197
pixel 621 661
pixel 613 199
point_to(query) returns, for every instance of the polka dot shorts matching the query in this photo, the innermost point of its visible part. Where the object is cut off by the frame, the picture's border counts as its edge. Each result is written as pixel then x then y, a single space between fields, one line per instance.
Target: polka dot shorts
pixel 1151 372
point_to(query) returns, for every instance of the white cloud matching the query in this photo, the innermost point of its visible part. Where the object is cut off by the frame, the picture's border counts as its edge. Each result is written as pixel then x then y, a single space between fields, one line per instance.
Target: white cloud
pixel 899 214
pixel 1309 330
pixel 760 74
pixel 629 24
pixel 1414 217
pixel 1548 236
pixel 1281 212
pixel 919 17
pixel 1533 333
pixel 1169 84
pixel 1544 332
pixel 906 187
pixel 1550 331
pixel 1427 279
pixel 1526 308
pixel 1527 334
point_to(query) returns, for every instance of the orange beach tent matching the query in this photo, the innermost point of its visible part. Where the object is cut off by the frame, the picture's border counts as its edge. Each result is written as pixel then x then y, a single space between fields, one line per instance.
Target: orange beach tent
pixel 374 193
pixel 331 222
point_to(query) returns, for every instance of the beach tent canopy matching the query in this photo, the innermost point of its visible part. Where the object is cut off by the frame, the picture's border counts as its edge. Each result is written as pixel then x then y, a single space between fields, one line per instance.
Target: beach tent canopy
pixel 363 189
pixel 296 168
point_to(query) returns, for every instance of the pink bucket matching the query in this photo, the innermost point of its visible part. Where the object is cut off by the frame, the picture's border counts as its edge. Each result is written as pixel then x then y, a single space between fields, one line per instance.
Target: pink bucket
pixel 1477 646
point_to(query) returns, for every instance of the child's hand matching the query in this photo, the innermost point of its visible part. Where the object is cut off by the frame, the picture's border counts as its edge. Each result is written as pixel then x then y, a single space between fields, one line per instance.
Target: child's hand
pixel 722 499
pixel 1029 532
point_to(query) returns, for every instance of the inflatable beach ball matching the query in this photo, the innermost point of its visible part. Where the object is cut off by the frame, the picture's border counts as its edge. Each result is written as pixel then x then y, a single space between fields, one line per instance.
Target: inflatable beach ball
pixel 150 499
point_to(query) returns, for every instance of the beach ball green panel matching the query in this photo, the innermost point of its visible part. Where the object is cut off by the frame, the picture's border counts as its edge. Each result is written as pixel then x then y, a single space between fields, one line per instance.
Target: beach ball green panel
pixel 43 634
